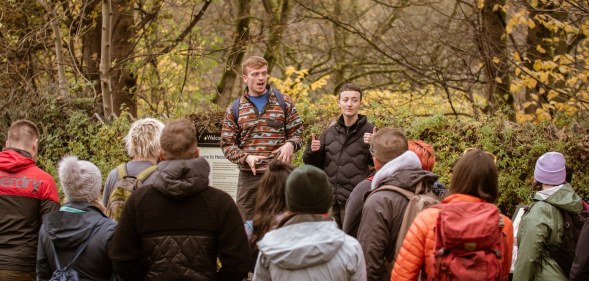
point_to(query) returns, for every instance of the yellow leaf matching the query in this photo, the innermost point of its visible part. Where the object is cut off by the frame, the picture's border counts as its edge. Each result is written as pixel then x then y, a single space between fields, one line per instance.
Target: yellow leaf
pixel 496 60
pixel 563 69
pixel 544 77
pixel 514 88
pixel 518 71
pixel 498 80
pixel 572 81
pixel 552 94
pixel 531 83
pixel 531 24
pixel 516 57
pixel 538 65
pixel 540 49
pixel 569 29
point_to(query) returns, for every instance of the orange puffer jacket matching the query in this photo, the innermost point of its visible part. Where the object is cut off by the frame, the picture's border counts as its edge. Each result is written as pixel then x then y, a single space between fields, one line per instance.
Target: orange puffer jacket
pixel 419 243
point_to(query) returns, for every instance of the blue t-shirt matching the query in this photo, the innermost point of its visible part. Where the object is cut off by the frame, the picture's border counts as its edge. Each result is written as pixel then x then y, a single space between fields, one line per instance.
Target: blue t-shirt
pixel 259 101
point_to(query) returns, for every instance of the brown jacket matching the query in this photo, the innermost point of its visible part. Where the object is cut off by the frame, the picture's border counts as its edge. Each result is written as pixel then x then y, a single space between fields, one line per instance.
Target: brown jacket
pixel 382 217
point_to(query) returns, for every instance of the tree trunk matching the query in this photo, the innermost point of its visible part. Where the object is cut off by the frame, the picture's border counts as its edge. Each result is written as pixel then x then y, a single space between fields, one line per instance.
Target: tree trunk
pixel 277 22
pixel 105 59
pixel 91 48
pixel 493 49
pixel 54 22
pixel 124 80
pixel 339 45
pixel 235 57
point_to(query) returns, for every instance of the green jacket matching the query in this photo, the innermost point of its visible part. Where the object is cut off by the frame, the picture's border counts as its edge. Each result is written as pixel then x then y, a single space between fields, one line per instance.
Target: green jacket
pixel 541 228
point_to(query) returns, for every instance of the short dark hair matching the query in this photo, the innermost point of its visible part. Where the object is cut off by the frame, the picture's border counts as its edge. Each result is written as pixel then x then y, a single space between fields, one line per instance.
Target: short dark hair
pixel 476 174
pixel 350 86
pixel 388 144
pixel 23 132
pixel 178 140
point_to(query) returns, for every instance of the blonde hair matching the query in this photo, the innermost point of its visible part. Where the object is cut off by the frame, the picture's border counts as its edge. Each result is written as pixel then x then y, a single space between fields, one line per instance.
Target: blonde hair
pixel 143 138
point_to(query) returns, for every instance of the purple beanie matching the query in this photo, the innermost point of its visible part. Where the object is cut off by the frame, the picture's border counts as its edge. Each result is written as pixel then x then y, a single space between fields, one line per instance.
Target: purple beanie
pixel 550 169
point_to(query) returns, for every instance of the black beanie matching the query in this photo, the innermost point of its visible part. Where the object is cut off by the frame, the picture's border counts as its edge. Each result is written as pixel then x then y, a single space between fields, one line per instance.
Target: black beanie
pixel 308 191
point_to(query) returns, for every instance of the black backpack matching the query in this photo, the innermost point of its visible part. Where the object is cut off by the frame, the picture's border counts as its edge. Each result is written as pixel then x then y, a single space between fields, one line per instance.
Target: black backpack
pixel 68 273
pixel 572 226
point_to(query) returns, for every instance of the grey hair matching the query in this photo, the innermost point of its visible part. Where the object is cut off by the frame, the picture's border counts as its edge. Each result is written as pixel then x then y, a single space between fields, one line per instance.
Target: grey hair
pixel 143 139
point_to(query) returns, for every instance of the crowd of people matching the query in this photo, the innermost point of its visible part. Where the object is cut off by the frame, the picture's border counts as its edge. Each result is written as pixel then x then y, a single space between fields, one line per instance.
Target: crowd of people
pixel 365 205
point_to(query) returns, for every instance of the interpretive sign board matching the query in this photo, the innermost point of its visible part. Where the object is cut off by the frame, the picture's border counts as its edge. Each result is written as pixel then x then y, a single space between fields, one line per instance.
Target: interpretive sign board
pixel 223 174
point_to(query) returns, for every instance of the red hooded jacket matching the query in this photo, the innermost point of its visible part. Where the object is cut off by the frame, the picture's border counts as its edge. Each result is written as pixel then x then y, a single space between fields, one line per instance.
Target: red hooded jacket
pixel 26 194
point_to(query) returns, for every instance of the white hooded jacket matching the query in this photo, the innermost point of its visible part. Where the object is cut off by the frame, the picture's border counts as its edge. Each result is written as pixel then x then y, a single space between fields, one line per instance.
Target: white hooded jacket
pixel 310 250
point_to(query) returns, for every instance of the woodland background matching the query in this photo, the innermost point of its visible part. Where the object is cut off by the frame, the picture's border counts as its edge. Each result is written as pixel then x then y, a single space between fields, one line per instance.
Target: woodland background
pixel 509 76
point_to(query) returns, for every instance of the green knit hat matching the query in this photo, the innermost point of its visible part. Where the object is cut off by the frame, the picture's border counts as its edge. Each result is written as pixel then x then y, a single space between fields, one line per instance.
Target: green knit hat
pixel 308 191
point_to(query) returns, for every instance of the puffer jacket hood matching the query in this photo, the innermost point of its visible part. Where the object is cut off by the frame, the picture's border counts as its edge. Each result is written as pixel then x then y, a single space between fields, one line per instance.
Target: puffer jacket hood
pixel 178 179
pixel 14 161
pixel 67 230
pixel 302 245
pixel 564 198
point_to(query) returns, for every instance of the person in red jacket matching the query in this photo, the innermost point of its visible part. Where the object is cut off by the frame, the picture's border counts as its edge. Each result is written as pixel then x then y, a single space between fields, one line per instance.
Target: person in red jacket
pixel 474 179
pixel 26 194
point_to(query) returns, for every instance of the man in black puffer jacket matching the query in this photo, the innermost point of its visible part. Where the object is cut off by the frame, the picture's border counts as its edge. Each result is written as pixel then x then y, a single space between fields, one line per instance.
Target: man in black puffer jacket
pixel 342 151
pixel 177 227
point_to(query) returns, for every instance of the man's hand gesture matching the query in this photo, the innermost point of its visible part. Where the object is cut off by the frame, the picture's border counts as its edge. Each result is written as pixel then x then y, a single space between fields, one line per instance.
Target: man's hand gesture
pixel 315 143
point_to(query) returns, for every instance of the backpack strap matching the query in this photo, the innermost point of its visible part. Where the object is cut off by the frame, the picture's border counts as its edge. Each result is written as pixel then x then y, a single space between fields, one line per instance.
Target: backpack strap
pixel 279 98
pixel 406 193
pixel 79 250
pixel 281 101
pixel 145 173
pixel 122 171
pixel 235 110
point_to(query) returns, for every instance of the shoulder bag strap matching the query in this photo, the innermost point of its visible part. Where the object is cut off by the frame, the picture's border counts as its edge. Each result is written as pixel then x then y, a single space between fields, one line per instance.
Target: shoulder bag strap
pixel 79 250
pixel 145 173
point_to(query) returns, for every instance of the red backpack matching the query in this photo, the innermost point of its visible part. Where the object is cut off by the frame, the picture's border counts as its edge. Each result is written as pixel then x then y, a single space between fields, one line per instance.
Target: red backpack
pixel 469 242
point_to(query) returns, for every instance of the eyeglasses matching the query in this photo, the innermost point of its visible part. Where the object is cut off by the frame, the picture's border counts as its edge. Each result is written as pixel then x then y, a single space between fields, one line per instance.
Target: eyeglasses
pixel 371 151
pixel 486 152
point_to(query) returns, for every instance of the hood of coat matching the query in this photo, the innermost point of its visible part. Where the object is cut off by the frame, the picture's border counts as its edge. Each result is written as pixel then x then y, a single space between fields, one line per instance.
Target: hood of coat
pixel 303 244
pixel 562 197
pixel 406 161
pixel 178 179
pixel 67 229
pixel 12 161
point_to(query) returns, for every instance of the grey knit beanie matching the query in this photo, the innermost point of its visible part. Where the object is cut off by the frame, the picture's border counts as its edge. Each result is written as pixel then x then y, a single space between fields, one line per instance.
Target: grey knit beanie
pixel 80 180
pixel 308 191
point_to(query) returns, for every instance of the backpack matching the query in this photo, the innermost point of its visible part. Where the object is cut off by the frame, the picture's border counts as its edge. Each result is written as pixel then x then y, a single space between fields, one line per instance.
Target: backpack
pixel 565 253
pixel 68 273
pixel 469 242
pixel 421 199
pixel 123 188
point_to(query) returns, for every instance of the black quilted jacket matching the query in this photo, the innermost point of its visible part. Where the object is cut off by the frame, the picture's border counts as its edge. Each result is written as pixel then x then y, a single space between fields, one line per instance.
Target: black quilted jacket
pixel 343 156
pixel 176 229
